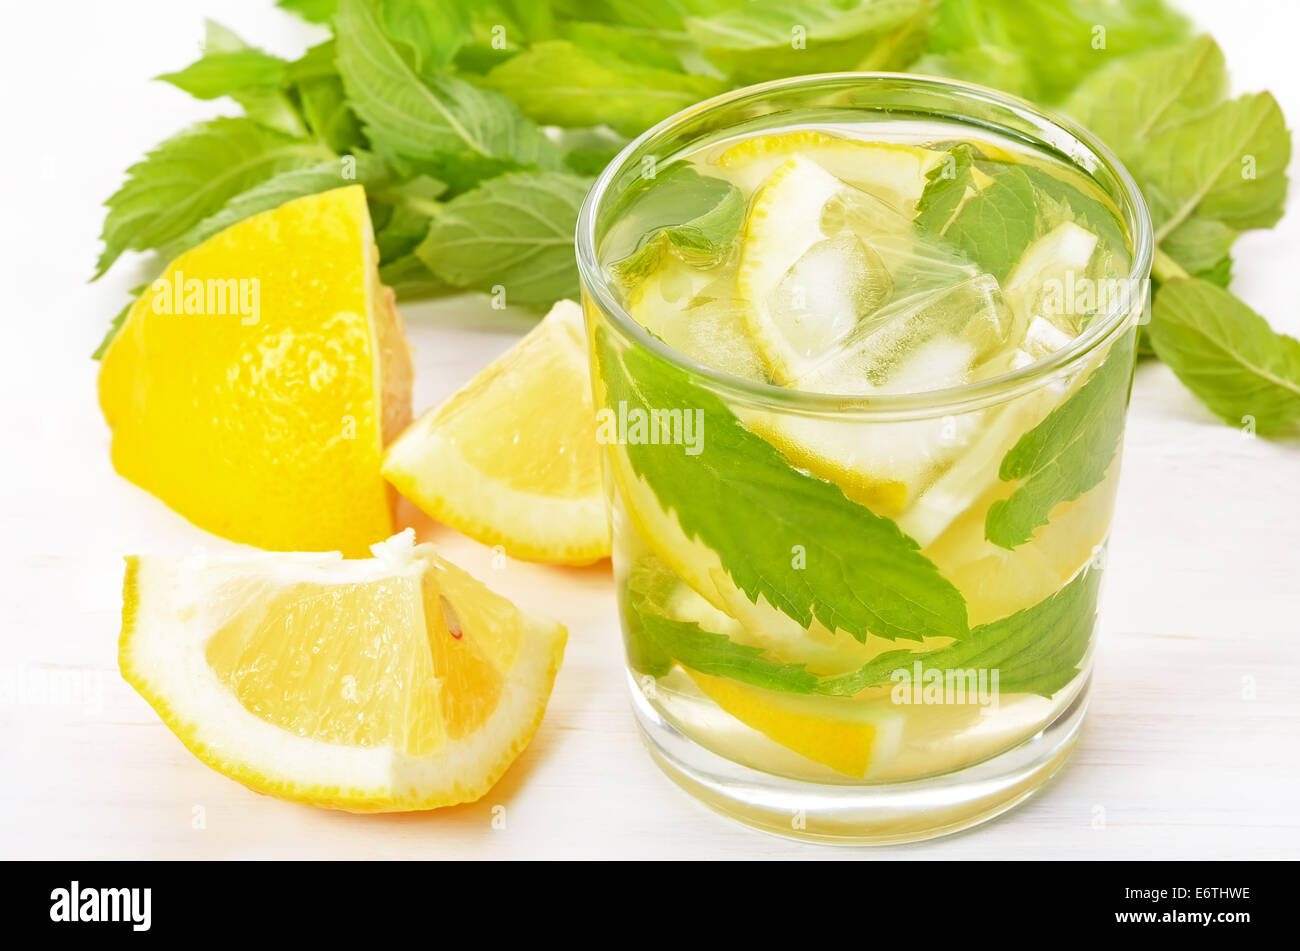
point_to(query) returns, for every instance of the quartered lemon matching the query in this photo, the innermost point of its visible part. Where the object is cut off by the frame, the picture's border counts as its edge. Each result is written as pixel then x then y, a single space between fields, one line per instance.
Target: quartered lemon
pixel 253 386
pixel 511 459
pixel 371 685
pixel 850 736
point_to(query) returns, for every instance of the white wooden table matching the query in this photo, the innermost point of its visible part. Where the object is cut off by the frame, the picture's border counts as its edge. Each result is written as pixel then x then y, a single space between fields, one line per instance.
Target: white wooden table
pixel 1193 743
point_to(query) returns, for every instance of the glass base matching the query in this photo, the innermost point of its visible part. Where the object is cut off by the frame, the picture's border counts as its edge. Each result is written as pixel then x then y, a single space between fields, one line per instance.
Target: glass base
pixel 879 814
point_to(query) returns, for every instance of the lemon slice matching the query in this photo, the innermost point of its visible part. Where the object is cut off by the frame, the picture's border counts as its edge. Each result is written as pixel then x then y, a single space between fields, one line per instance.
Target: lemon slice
pixel 892 171
pixel 781 233
pixel 375 685
pixel 852 737
pixel 511 459
pixel 253 386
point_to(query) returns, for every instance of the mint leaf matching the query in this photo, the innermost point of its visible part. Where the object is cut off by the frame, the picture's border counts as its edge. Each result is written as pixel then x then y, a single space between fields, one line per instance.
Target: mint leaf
pixel 275 191
pixel 948 185
pixel 222 74
pixel 313 11
pixel 1227 165
pixel 1067 453
pixel 456 131
pixel 995 225
pixel 411 280
pixel 193 175
pixel 1135 98
pixel 655 640
pixel 316 84
pixel 115 327
pixel 753 42
pixel 1035 650
pixel 627 45
pixel 862 574
pixel 1200 244
pixel 1209 168
pixel 1228 355
pixel 1041 49
pixel 431 30
pixel 253 78
pixel 515 231
pixel 695 216
pixel 560 83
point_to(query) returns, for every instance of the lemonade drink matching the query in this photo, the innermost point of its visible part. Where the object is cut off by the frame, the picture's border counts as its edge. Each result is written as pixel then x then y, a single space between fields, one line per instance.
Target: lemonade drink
pixel 862 448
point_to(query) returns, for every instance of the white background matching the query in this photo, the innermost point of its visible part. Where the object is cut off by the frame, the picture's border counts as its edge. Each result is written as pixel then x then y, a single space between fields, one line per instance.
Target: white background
pixel 1179 758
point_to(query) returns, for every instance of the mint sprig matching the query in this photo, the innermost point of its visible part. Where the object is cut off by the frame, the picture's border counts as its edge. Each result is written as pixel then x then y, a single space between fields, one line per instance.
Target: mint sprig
pixel 458 91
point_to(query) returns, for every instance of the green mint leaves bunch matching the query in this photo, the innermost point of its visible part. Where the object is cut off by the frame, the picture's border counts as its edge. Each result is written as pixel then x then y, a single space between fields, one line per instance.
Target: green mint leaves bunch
pixel 476 126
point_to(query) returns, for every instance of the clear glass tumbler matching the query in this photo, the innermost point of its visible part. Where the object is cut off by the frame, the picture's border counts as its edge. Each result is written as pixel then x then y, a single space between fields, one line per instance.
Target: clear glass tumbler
pixel 865 617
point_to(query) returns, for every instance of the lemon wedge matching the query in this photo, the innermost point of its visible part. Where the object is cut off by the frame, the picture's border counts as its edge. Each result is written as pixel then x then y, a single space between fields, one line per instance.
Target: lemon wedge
pixel 253 386
pixel 374 685
pixel 511 459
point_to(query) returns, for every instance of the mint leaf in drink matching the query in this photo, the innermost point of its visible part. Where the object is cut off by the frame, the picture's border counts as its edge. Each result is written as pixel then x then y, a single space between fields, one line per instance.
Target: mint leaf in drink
pixel 1228 355
pixel 949 185
pixel 1066 454
pixel 560 83
pixel 191 176
pixel 996 224
pixel 514 231
pixel 656 639
pixel 752 42
pixel 450 128
pixel 860 574
pixel 1035 650
pixel 678 211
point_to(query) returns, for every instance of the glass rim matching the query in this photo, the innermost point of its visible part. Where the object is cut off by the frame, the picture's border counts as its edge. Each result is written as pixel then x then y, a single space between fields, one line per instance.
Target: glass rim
pixel 924 403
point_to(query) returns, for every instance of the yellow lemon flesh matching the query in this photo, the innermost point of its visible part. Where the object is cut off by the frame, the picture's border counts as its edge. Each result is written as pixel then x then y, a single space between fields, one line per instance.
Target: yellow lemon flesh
pixel 849 736
pixel 511 459
pixel 372 685
pixel 253 386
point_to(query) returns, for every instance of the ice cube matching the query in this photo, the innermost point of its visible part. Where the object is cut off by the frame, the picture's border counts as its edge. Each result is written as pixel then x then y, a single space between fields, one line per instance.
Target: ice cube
pixel 1042 337
pixel 825 293
pixel 1045 280
pixel 712 332
pixel 916 261
pixel 971 318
